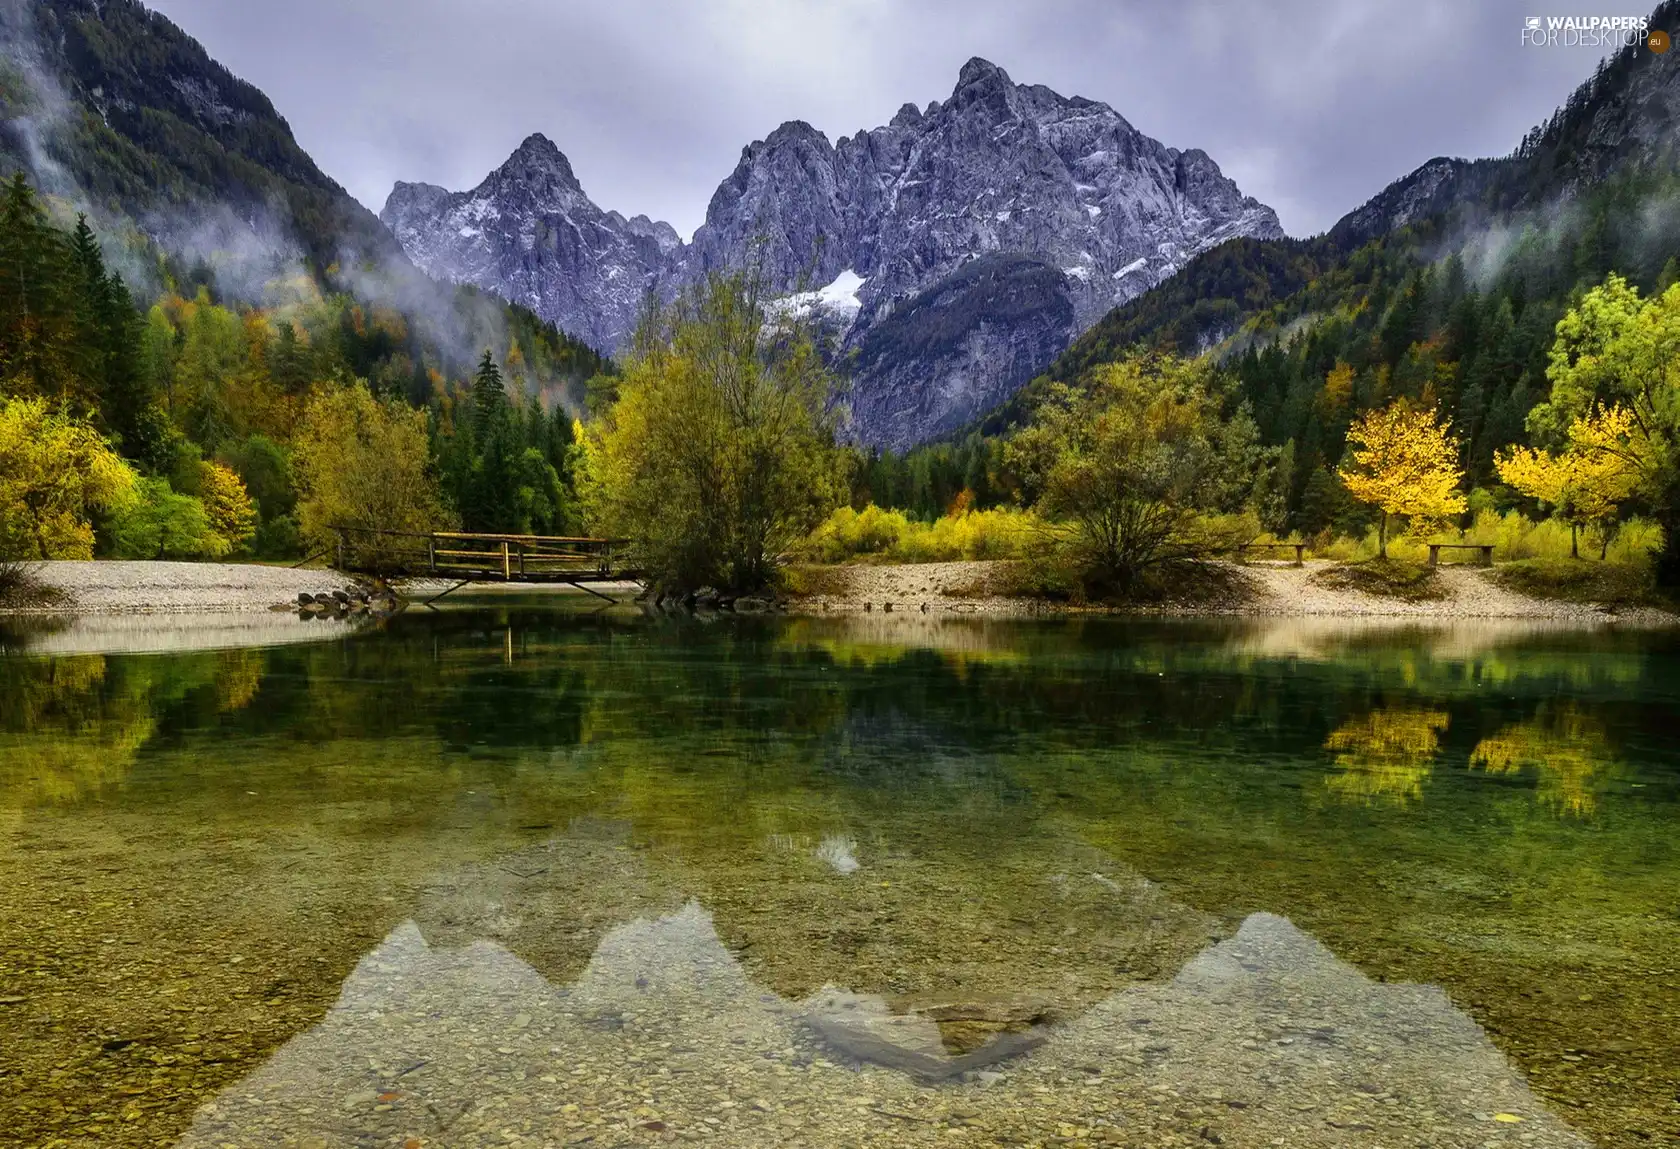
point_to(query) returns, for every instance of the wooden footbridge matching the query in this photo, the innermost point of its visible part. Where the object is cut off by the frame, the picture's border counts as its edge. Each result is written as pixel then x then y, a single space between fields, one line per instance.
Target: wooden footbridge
pixel 468 558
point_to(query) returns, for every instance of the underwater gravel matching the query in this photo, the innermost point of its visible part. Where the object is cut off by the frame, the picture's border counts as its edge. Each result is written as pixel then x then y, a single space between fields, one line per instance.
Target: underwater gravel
pixel 1264 1039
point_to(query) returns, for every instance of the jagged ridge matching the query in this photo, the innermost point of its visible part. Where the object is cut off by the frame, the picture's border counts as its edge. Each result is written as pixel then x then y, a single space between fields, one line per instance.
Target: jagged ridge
pixel 997 169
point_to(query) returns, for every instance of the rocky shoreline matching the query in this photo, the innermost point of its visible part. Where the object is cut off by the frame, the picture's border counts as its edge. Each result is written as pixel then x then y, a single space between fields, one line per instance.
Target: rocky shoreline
pixel 123 587
pixel 1261 590
pixel 1256 590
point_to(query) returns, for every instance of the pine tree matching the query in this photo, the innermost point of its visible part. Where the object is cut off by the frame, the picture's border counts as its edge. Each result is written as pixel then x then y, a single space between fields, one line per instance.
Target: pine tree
pixel 37 314
pixel 489 395
pixel 288 361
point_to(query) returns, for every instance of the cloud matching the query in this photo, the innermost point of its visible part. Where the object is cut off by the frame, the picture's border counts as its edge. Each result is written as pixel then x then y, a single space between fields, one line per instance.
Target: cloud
pixel 1311 105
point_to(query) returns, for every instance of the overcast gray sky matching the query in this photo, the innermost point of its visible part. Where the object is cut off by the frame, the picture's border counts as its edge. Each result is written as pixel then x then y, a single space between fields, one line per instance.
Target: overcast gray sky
pixel 1310 106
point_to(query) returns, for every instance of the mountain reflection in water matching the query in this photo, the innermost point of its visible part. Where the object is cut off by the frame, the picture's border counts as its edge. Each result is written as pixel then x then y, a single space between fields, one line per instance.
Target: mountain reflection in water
pixel 944 832
pixel 1262 1036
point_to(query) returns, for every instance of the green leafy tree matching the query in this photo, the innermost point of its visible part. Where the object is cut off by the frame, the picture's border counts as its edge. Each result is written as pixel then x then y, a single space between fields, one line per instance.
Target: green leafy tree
pixel 719 453
pixel 1615 374
pixel 164 524
pixel 1125 462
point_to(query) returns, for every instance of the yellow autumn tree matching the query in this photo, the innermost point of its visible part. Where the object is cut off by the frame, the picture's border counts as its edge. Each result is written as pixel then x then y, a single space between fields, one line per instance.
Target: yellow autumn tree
pixel 1584 484
pixel 1405 462
pixel 363 463
pixel 1337 395
pixel 227 505
pixel 55 471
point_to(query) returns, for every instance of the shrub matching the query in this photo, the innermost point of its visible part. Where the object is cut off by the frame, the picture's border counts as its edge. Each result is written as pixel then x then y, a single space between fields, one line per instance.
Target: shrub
pixel 892 536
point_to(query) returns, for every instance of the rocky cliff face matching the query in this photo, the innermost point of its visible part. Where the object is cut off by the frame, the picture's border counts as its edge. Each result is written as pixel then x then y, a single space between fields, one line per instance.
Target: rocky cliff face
pixel 530 234
pixel 1071 209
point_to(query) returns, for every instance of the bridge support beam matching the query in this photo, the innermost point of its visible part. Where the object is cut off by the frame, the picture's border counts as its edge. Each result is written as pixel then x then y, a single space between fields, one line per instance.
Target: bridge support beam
pixel 447 593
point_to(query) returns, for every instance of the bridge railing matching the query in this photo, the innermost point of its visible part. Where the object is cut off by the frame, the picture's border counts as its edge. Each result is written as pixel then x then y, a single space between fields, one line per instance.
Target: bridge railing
pixel 475 555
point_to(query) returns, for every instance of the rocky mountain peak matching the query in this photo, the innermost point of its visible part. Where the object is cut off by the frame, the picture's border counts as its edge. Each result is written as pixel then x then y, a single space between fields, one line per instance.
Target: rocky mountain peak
pixel 539 165
pixel 982 83
pixel 529 233
pixel 791 133
pixel 908 116
pixel 982 72
pixel 956 250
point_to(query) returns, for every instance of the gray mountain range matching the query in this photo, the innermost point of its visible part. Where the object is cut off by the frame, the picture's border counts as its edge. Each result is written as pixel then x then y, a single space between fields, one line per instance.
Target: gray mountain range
pixel 956 250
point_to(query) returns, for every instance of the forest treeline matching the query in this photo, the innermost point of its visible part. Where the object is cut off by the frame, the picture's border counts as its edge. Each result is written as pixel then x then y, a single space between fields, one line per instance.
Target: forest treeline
pixel 1313 337
pixel 1394 394
pixel 209 412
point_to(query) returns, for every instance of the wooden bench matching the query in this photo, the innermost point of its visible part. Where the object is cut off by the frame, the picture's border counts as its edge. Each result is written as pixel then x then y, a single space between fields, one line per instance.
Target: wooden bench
pixel 1435 550
pixel 1300 550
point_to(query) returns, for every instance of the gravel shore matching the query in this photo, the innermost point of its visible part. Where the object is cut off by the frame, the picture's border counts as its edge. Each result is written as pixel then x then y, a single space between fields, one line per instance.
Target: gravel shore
pixel 179 588
pixel 1272 590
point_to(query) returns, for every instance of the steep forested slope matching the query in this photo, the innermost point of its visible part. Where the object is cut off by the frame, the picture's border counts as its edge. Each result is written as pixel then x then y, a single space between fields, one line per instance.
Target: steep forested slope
pixel 1446 285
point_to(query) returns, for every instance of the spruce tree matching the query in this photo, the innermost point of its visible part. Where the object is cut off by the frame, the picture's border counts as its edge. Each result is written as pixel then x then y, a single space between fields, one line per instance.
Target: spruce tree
pixel 490 502
pixel 489 394
pixel 37 314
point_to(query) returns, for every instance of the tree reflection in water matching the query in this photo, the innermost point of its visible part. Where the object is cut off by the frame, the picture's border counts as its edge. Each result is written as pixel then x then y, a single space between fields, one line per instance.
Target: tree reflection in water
pixel 1386 755
pixel 1568 749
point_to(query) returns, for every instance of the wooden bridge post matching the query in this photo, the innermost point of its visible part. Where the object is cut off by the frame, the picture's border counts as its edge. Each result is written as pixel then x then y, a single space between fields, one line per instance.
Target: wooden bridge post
pixel 1434 554
pixel 507 566
pixel 431 553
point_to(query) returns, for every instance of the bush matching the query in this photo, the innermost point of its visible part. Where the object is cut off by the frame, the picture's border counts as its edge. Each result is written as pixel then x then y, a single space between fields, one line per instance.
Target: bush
pixel 20 589
pixel 1616 583
pixel 1514 537
pixel 277 539
pixel 892 536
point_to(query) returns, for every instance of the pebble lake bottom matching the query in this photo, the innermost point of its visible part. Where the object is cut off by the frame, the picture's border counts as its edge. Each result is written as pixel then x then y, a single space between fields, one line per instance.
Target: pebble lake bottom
pixel 508 874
